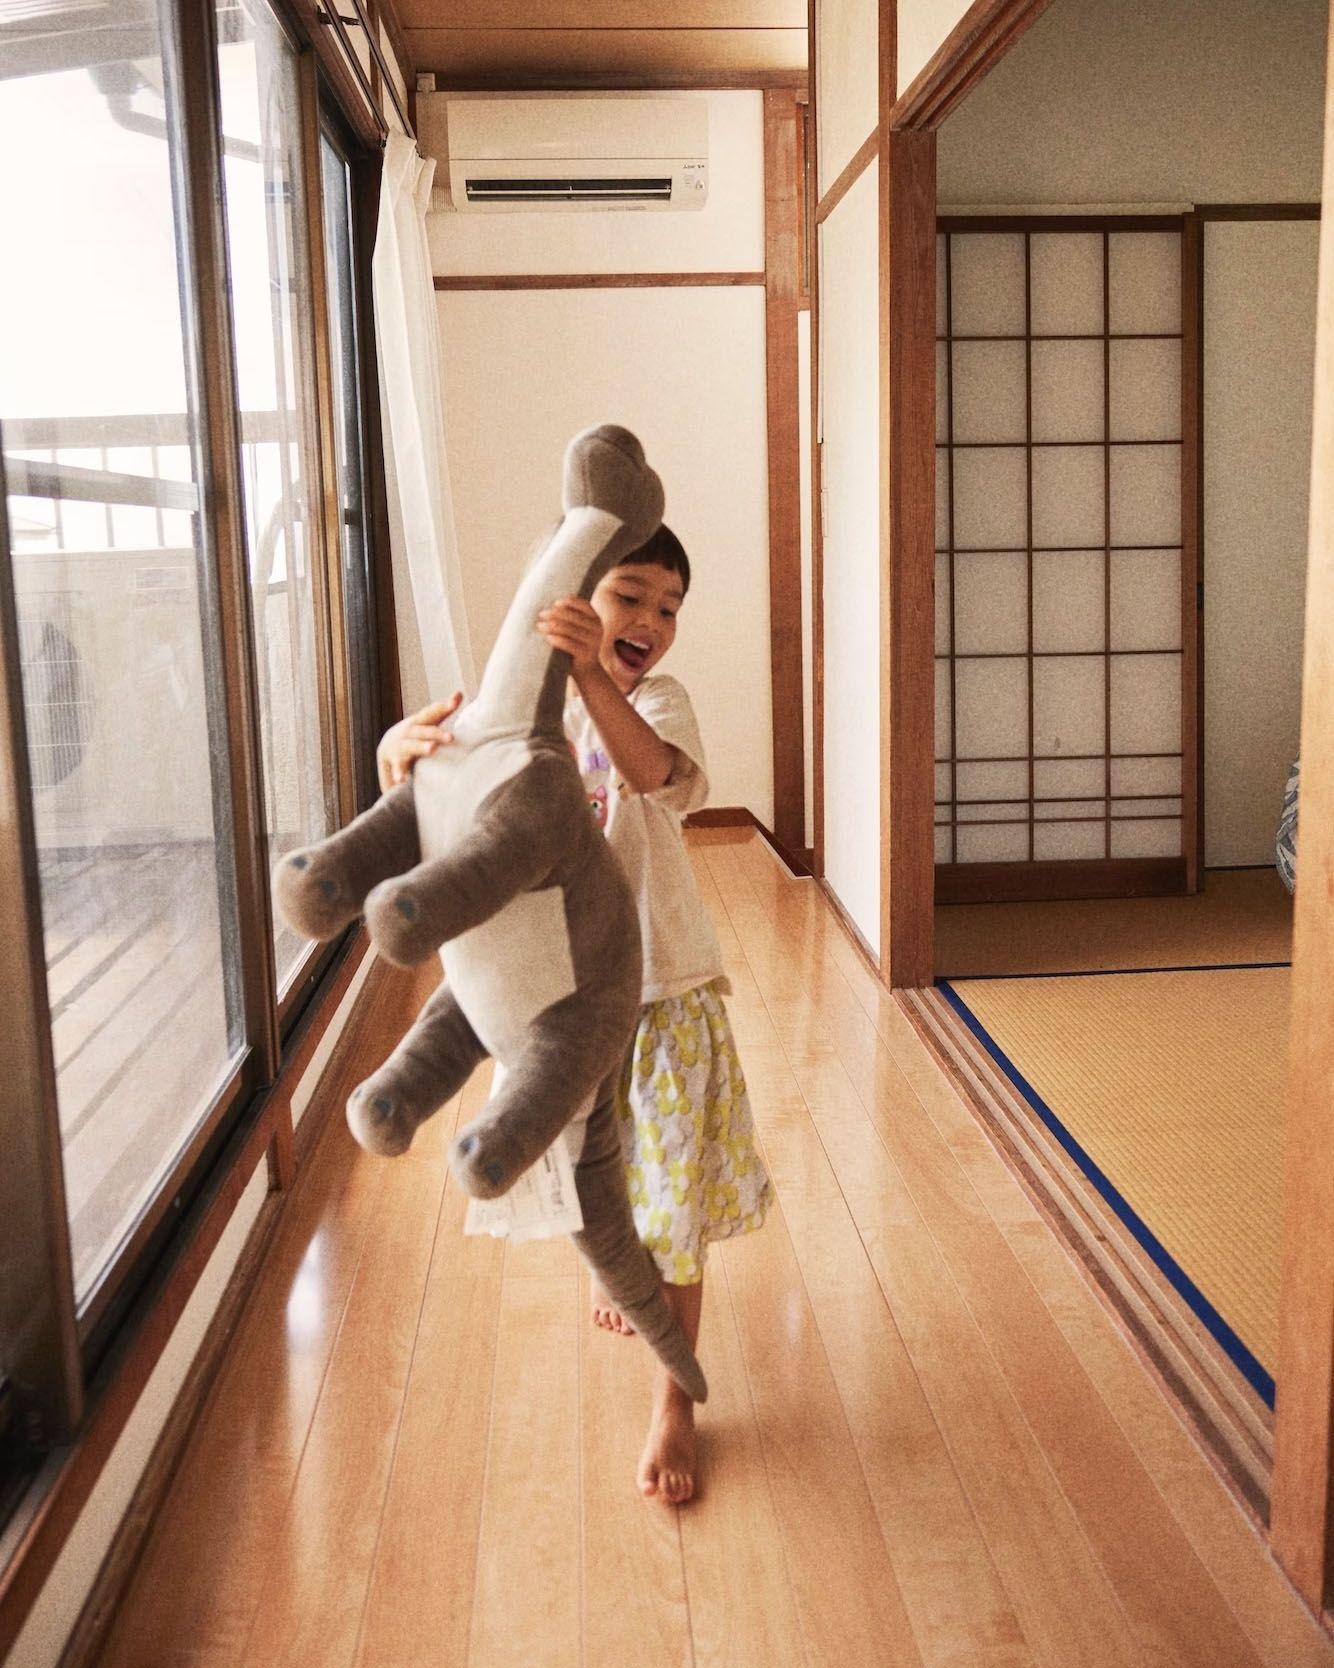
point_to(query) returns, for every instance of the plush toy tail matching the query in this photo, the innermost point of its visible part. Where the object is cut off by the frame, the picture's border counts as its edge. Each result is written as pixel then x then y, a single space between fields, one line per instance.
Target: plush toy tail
pixel 613 1250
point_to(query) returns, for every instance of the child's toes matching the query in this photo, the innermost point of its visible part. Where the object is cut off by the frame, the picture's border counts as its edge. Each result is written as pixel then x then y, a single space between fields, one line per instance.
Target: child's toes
pixel 677 1488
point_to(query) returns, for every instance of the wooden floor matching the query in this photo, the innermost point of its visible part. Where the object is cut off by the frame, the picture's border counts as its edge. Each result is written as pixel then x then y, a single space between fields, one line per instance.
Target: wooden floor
pixel 926 1442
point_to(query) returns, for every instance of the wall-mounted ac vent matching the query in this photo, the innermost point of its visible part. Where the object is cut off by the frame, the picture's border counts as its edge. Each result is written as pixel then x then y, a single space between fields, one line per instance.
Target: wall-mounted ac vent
pixel 572 153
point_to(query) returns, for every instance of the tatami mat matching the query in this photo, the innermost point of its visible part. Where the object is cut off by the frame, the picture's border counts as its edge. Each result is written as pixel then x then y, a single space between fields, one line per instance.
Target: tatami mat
pixel 1172 1084
pixel 1243 917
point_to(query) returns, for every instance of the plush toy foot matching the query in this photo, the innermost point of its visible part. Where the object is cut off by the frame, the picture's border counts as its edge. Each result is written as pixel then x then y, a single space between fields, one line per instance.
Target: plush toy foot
pixel 482 1167
pixel 401 927
pixel 379 1120
pixel 311 894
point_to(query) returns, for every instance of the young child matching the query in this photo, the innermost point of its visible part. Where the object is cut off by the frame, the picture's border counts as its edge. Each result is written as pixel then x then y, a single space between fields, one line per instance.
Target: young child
pixel 694 1173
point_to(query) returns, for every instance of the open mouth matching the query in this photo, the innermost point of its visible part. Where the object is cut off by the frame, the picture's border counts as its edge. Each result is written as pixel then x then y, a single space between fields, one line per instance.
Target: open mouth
pixel 632 654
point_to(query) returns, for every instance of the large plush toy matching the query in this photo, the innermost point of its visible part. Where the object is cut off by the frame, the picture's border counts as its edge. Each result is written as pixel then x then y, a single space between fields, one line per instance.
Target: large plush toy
pixel 490 856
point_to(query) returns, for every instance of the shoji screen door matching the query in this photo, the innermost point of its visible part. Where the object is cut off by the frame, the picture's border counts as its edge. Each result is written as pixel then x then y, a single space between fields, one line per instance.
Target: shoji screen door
pixel 1065 579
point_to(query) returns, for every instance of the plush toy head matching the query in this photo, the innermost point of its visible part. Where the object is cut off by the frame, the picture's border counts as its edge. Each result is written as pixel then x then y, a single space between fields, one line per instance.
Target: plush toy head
pixel 613 503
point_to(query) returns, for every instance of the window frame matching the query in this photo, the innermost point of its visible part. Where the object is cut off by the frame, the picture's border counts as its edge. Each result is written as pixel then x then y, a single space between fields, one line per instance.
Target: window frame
pixel 68 1364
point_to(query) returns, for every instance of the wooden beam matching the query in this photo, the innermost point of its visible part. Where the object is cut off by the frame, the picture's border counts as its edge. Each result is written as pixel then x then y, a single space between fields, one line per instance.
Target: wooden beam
pixel 616 81
pixel 907 538
pixel 1302 1514
pixel 862 158
pixel 1192 549
pixel 1122 877
pixel 387 13
pixel 1258 211
pixel 981 38
pixel 781 285
pixel 598 280
pixel 817 488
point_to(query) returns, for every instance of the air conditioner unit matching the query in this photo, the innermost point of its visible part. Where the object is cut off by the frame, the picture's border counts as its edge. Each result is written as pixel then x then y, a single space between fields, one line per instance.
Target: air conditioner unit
pixel 578 153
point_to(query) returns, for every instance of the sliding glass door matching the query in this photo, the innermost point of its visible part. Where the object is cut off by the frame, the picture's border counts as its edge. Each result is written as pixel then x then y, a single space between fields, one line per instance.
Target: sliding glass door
pixel 119 653
pixel 186 685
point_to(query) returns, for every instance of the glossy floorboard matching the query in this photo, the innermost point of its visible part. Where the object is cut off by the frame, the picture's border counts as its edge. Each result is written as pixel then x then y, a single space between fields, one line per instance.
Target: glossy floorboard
pixel 926 1441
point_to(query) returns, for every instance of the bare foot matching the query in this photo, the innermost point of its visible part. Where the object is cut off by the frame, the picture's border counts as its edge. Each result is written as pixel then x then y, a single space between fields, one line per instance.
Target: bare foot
pixel 607 1315
pixel 667 1465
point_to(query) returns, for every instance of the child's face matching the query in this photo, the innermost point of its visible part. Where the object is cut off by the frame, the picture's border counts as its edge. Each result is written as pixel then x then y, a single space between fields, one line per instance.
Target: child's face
pixel 637 605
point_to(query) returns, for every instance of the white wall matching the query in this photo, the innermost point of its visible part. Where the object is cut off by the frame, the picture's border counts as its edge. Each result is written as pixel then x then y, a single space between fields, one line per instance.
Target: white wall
pixel 850 481
pixel 847 68
pixel 923 25
pixel 1259 350
pixel 683 368
pixel 682 365
pixel 1144 103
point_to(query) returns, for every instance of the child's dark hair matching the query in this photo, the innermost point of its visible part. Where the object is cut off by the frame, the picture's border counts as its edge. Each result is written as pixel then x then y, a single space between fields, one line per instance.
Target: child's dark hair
pixel 663 550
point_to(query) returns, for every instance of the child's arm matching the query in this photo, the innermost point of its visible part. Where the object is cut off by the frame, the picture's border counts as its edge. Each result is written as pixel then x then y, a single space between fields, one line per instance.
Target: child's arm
pixel 641 756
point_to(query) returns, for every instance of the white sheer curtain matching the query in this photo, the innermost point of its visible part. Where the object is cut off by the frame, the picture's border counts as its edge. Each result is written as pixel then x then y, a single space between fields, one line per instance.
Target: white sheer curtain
pixel 421 511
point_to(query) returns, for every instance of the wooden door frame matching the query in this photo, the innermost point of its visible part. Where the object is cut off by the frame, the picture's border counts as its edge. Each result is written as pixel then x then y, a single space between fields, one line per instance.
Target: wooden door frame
pixel 1302 1494
pixel 907 153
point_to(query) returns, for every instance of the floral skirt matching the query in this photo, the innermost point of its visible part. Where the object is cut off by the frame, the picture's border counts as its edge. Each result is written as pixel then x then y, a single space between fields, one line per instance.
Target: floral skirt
pixel 689 1140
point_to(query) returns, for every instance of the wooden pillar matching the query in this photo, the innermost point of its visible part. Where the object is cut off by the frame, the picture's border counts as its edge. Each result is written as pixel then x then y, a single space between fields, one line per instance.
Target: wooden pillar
pixel 1302 1499
pixel 907 533
pixel 781 293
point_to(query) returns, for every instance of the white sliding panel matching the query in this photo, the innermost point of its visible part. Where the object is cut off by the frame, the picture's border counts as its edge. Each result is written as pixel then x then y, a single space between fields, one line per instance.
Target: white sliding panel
pixel 849 395
pixel 1259 348
pixel 1059 540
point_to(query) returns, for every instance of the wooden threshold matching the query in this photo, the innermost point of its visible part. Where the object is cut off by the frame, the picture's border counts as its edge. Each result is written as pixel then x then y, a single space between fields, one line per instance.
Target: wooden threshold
pixel 1047 882
pixel 1228 1415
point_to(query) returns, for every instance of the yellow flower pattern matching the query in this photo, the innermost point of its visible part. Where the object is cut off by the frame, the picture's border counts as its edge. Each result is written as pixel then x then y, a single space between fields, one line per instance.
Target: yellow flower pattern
pixel 689 1140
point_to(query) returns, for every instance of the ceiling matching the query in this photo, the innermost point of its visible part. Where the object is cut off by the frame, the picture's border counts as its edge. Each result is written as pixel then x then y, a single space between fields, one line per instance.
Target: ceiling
pixel 606 43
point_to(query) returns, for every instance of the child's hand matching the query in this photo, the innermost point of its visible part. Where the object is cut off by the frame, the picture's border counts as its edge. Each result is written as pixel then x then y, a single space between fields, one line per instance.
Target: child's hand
pixel 415 737
pixel 573 625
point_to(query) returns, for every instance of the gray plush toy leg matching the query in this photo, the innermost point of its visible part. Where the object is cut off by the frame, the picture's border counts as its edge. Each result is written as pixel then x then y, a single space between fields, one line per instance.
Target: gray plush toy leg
pixel 433 1062
pixel 322 889
pixel 556 1073
pixel 614 1252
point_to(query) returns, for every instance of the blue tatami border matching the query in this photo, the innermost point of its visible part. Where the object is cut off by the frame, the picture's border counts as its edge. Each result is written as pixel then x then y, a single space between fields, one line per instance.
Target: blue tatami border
pixel 1241 1358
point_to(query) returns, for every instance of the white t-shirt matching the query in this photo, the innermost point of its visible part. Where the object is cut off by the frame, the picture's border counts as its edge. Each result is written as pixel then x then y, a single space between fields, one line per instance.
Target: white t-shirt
pixel 681 948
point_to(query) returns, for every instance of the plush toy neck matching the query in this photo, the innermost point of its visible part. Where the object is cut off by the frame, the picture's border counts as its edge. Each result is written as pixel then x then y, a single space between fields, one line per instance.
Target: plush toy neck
pixel 523 686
